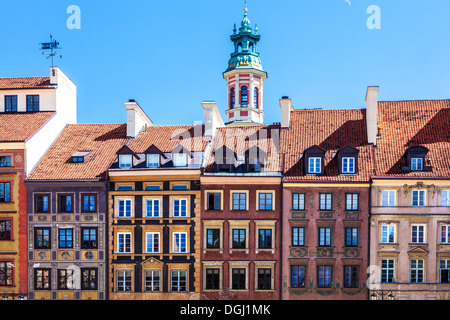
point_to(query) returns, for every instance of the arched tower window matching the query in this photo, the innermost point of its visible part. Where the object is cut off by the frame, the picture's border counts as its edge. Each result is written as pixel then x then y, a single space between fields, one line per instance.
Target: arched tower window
pixel 256 97
pixel 232 98
pixel 244 96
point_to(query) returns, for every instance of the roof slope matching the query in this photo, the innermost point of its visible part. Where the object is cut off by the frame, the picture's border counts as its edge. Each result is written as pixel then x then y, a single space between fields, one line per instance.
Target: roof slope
pixel 21 126
pixel 25 83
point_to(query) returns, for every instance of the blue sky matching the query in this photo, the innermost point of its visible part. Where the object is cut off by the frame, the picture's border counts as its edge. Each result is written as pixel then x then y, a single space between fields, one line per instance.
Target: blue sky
pixel 170 55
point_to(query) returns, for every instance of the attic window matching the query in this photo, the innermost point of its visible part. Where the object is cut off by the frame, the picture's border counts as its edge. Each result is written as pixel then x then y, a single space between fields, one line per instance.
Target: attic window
pixel 415 159
pixel 314 160
pixel 125 161
pixel 416 164
pixel 179 160
pixel 79 156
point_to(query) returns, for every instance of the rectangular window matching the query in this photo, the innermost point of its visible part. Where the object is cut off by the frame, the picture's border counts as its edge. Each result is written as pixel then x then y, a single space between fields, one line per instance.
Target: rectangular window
pixel 179 160
pixel 314 165
pixel 65 203
pixel 254 164
pixel 152 187
pixel 324 276
pixel 416 271
pixel 65 279
pixel 238 279
pixel 212 279
pixel 348 165
pixel 124 208
pixel 88 238
pixel 325 201
pixel 264 279
pixel 387 270
pixel 65 238
pixel 89 280
pixel 179 242
pixel 10 103
pixel 123 242
pixel 416 164
pixel 152 280
pixel 298 201
pixel 417 234
pixel 351 276
pixel 5 192
pixel 352 201
pixel 445 234
pixel 6 273
pixel 124 280
pixel 89 202
pixel 5 161
pixel 388 234
pixel 179 208
pixel 152 242
pixel 351 237
pixel 214 200
pixel 5 230
pixel 418 198
pixel 124 188
pixel 239 201
pixel 125 161
pixel 298 236
pixel 153 160
pixel 324 236
pixel 265 201
pixel 445 198
pixel 32 103
pixel 41 203
pixel 239 238
pixel 153 208
pixel 42 238
pixel 388 198
pixel 298 274
pixel 180 187
pixel 265 239
pixel 42 279
pixel 444 271
pixel 178 281
pixel 213 238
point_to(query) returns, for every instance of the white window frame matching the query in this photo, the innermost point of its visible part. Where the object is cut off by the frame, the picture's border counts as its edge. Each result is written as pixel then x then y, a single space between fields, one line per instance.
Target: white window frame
pixel 444 228
pixel 152 235
pixel 125 208
pixel 390 197
pixel 316 163
pixel 152 281
pixel 179 160
pixel 153 164
pixel 178 281
pixel 388 229
pixel 445 198
pixel 178 214
pixel 387 269
pixel 177 242
pixel 348 164
pixel 125 161
pixel 123 283
pixel 417 269
pixel 350 201
pixel 417 164
pixel 444 264
pixel 418 227
pixel 152 214
pixel 327 201
pixel 125 236
pixel 421 202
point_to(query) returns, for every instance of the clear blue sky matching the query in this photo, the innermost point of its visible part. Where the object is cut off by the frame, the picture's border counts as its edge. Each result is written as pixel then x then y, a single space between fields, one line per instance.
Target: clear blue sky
pixel 170 55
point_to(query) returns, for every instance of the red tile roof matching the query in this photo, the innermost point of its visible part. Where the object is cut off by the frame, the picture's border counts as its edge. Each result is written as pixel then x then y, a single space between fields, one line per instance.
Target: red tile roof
pixel 21 126
pixel 25 83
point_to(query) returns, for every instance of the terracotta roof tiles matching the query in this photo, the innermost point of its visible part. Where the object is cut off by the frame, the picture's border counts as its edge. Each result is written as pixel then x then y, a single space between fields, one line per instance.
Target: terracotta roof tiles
pixel 21 126
pixel 25 83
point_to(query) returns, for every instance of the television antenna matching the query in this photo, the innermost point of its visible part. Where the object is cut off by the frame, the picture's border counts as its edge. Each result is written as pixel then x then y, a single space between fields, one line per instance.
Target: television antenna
pixel 53 45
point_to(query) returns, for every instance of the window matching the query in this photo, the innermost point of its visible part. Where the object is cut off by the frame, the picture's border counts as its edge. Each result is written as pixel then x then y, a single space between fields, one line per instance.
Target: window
pixel 152 187
pixel 152 160
pixel 124 280
pixel 152 242
pixel 239 239
pixel 5 230
pixel 89 279
pixel 444 271
pixel 179 208
pixel 256 97
pixel 324 276
pixel 41 203
pixel 214 201
pixel 33 103
pixel 298 201
pixel 65 279
pixel 351 236
pixel 445 198
pixel 88 238
pixel 265 201
pixel 239 201
pixel 5 192
pixel 5 161
pixel 124 242
pixel 387 270
pixel 179 160
pixel 244 97
pixel 416 271
pixel 348 165
pixel 124 188
pixel 65 238
pixel 351 276
pixel 124 208
pixel 388 198
pixel 212 279
pixel 298 274
pixel 65 202
pixel 152 208
pixel 238 279
pixel 179 242
pixel 264 279
pixel 213 238
pixel 325 201
pixel 77 159
pixel 10 103
pixel 125 161
pixel 42 238
pixel 265 238
pixel 178 281
pixel 6 273
pixel 254 164
pixel 152 280
pixel 42 279
pixel 418 198
pixel 180 187
pixel 89 202
pixel 352 201
pixel 324 236
pixel 417 234
pixel 417 164
pixel 298 236
pixel 388 234
pixel 314 165
pixel 232 98
pixel 445 234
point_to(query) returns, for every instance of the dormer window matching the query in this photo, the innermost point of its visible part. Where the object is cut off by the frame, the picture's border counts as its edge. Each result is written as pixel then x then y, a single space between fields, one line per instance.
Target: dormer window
pixel 225 165
pixel 417 164
pixel 125 161
pixel 79 156
pixel 314 165
pixel 152 160
pixel 254 165
pixel 347 158
pixel 415 159
pixel 255 159
pixel 77 159
pixel 348 165
pixel 10 103
pixel 179 160
pixel 314 160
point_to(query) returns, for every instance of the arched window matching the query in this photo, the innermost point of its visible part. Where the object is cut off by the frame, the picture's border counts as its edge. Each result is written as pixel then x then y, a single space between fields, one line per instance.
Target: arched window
pixel 250 47
pixel 256 97
pixel 244 96
pixel 232 98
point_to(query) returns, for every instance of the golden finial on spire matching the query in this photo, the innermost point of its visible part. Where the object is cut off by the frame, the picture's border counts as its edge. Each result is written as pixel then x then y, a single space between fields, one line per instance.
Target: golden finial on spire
pixel 245 9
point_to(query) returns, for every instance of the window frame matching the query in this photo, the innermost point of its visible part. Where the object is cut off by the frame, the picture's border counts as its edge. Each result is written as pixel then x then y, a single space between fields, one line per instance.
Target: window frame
pixel 353 281
pixel 352 236
pixel 90 195
pixel 417 273
pixel 34 100
pixel 91 244
pixel 301 238
pixel 127 278
pixel 347 164
pixel 68 239
pixel 327 276
pixel 352 200
pixel 6 193
pixel 388 233
pixel 299 282
pixel 6 229
pixel 326 234
pixel 313 161
pixel 36 198
pixel 60 205
pixel 420 202
pixel 155 164
pixel 177 242
pixel 125 235
pixel 387 270
pixel 299 200
pixel 125 164
pixel 415 238
pixel 37 245
pixel 82 280
pixel 13 108
pixel 7 162
pixel 328 202
pixel 156 243
pixel 417 165
pixel 388 198
pixel 48 279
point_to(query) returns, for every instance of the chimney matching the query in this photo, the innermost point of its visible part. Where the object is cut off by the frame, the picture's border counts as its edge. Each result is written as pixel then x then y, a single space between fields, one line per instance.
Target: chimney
pixel 137 120
pixel 371 114
pixel 213 119
pixel 286 108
